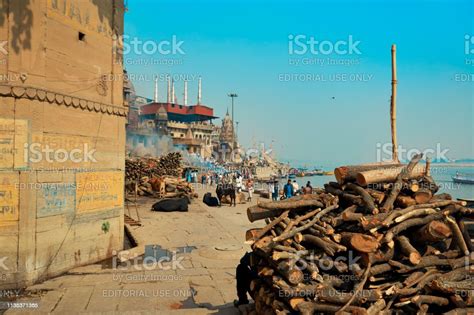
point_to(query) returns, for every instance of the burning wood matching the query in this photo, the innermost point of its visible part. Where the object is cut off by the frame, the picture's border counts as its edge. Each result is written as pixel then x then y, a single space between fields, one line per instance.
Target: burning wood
pixel 350 248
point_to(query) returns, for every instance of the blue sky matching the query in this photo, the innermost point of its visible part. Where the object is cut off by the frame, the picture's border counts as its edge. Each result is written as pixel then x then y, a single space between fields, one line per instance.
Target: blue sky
pixel 242 46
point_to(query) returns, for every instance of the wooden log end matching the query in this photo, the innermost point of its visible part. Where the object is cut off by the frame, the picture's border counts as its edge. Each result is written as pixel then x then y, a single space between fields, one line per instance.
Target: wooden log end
pixel 364 243
pixel 360 180
pixel 299 237
pixel 294 302
pixel 415 258
pixel 295 276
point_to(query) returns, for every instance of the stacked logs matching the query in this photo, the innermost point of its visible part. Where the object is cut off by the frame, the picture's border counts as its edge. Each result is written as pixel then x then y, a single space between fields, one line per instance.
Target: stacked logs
pixel 352 248
pixel 167 165
pixel 157 177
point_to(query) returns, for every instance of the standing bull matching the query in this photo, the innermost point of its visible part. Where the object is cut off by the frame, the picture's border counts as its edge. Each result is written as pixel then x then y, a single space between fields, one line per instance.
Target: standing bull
pixel 224 190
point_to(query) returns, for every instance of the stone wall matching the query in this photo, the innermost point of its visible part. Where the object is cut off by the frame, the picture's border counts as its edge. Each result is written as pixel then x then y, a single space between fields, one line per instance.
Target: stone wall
pixel 62 136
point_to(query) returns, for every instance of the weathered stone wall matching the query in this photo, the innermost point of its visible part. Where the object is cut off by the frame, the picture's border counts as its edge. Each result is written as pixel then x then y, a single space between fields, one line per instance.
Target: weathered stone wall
pixel 62 136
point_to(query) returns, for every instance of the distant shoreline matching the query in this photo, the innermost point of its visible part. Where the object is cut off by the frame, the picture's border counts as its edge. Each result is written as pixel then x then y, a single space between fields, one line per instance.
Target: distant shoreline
pixel 453 164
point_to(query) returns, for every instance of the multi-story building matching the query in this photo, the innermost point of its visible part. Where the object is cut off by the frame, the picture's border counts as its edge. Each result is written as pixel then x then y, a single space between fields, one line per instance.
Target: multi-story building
pixel 62 136
pixel 189 127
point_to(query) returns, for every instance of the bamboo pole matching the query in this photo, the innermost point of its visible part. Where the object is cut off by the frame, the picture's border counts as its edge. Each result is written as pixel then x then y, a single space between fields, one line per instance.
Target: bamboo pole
pixel 393 105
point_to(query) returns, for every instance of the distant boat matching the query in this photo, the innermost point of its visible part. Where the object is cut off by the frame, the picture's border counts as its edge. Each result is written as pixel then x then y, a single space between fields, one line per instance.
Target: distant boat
pixel 318 172
pixel 463 178
pixel 291 176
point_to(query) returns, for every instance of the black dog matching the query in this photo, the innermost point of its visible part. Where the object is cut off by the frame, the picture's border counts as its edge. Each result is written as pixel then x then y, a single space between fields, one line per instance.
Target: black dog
pixel 224 190
pixel 172 204
pixel 209 200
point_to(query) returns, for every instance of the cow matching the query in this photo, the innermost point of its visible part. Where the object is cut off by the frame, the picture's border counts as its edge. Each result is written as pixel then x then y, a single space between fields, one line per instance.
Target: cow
pixel 172 204
pixel 209 200
pixel 224 190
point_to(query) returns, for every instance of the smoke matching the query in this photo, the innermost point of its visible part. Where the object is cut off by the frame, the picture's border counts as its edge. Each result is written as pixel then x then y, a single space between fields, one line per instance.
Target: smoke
pixel 153 145
pixel 149 145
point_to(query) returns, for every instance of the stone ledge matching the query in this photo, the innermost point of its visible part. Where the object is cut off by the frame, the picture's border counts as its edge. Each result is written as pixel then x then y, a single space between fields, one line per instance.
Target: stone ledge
pixel 52 97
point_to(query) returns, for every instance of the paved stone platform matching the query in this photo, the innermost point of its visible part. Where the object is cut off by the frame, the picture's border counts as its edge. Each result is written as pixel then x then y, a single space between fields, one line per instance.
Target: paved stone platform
pixel 200 279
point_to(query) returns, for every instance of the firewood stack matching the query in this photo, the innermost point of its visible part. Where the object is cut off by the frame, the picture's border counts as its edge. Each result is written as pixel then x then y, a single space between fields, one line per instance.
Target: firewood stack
pixel 366 249
pixel 167 165
pixel 157 177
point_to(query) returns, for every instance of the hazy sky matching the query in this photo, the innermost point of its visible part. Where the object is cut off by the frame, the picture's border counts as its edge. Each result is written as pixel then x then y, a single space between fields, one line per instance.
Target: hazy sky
pixel 330 113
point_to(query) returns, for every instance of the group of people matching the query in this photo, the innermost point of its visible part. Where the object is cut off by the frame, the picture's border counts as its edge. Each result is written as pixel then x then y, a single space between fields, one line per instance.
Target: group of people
pixel 239 185
pixel 209 179
pixel 290 189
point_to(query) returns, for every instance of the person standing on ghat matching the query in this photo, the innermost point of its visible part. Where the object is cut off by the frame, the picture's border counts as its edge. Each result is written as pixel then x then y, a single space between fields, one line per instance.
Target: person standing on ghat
pixel 288 191
pixel 271 189
pixel 276 191
pixel 296 187
pixel 250 188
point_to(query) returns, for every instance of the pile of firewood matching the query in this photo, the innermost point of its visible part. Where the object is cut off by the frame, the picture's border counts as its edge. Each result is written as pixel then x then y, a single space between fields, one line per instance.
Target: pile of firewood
pixel 157 177
pixel 380 240
pixel 167 165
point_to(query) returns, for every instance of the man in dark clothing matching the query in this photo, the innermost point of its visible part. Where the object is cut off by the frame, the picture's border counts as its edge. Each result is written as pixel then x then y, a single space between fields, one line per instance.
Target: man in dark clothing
pixel 288 190
pixel 244 275
pixel 276 191
pixel 309 188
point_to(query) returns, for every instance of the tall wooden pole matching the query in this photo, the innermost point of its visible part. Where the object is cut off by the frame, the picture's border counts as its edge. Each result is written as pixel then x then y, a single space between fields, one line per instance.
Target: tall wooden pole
pixel 393 105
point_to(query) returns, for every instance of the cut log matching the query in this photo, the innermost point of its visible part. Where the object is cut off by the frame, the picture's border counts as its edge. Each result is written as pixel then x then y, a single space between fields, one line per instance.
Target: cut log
pixel 415 213
pixel 384 175
pixel 353 199
pixel 408 250
pixel 328 247
pixel 429 299
pixel 272 224
pixel 378 196
pixel 405 173
pixel 305 226
pixel 413 185
pixel 366 198
pixel 432 232
pixel 458 236
pixel 405 201
pixel 465 233
pixel 423 195
pixel 348 173
pixel 256 213
pixel 252 234
pixel 360 242
pixel 264 244
pixel 290 204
